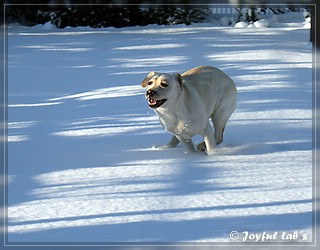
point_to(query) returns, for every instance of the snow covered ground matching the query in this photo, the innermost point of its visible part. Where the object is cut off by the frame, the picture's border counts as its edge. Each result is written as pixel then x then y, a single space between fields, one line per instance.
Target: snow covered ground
pixel 81 166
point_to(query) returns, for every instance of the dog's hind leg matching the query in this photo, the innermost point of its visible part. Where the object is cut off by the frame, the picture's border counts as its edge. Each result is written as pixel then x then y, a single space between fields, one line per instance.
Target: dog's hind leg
pixel 220 118
pixel 219 123
pixel 209 143
pixel 219 130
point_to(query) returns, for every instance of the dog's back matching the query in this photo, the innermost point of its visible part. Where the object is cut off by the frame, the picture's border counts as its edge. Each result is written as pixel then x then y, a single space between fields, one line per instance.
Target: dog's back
pixel 214 75
pixel 199 70
pixel 211 83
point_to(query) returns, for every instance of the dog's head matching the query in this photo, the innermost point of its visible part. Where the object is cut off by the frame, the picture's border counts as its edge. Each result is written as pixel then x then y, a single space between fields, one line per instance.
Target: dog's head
pixel 161 88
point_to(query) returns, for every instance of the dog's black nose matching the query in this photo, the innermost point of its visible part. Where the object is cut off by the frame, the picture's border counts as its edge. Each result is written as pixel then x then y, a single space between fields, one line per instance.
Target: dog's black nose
pixel 151 93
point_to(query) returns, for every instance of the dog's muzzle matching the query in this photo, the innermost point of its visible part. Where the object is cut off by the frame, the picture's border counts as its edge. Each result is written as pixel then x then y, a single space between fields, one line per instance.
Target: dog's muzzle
pixel 154 103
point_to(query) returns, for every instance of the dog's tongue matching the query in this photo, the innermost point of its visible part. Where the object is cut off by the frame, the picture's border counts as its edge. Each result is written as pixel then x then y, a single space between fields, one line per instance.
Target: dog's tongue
pixel 152 101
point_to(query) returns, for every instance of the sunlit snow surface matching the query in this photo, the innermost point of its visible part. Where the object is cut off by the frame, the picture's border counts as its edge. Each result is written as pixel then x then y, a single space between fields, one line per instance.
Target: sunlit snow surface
pixel 81 162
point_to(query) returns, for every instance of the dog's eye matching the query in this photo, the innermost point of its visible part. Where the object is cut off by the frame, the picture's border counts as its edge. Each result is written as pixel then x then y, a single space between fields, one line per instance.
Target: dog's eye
pixel 150 83
pixel 163 85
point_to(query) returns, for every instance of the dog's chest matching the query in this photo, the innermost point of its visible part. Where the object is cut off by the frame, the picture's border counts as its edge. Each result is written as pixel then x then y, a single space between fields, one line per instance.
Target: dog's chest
pixel 177 126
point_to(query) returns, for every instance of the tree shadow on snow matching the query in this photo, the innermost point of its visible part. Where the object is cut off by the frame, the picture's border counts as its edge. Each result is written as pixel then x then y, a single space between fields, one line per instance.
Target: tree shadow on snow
pixel 166 231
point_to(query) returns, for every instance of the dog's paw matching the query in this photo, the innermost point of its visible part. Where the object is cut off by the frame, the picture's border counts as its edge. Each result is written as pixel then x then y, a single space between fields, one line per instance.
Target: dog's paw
pixel 202 147
pixel 211 152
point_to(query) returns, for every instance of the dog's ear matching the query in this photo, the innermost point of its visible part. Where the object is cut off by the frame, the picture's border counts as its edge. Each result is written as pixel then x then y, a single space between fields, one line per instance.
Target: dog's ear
pixel 146 80
pixel 179 79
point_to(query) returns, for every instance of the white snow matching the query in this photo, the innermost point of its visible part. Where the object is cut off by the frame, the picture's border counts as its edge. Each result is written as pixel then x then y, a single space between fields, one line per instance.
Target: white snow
pixel 262 23
pixel 241 24
pixel 81 162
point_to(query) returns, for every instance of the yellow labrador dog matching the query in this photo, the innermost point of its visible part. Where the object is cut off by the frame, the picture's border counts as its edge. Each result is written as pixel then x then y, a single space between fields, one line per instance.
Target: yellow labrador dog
pixel 185 103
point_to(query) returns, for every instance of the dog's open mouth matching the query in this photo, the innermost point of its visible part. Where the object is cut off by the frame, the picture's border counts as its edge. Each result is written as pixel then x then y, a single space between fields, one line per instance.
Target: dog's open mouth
pixel 155 103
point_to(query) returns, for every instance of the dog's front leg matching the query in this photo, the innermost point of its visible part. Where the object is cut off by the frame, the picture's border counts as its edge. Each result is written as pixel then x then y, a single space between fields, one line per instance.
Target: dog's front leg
pixel 187 143
pixel 209 138
pixel 171 144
